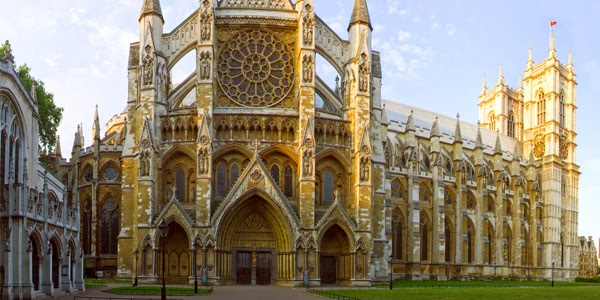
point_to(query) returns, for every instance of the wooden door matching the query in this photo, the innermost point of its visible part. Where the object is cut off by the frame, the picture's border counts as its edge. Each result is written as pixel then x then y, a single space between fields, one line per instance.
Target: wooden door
pixel 328 270
pixel 244 267
pixel 263 268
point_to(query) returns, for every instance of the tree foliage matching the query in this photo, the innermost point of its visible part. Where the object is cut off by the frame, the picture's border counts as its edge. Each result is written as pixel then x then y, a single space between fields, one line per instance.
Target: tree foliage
pixel 50 114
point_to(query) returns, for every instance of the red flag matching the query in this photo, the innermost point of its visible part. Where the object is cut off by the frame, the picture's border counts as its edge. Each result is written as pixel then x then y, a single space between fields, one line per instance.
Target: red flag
pixel 552 23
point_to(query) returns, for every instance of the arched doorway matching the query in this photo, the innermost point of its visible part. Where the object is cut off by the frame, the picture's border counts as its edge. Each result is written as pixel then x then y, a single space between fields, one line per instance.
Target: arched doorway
pixel 336 260
pixel 35 263
pixel 255 244
pixel 55 263
pixel 177 254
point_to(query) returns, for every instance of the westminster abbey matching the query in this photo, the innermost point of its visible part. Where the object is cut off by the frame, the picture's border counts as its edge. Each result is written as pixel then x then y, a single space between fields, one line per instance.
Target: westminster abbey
pixel 253 170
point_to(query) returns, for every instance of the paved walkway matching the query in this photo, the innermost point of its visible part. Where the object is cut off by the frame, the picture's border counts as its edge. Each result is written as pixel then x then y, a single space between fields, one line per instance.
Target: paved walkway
pixel 220 292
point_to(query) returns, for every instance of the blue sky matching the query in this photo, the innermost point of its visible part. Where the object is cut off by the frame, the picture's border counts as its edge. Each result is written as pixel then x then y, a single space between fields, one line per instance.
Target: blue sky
pixel 434 54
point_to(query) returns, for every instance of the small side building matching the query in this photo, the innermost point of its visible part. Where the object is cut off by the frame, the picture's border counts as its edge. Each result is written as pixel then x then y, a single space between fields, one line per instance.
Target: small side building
pixel 40 252
pixel 588 261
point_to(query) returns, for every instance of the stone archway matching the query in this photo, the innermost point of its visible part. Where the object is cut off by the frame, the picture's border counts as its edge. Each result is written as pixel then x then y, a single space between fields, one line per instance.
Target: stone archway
pixel 255 244
pixel 36 263
pixel 55 246
pixel 336 257
pixel 177 255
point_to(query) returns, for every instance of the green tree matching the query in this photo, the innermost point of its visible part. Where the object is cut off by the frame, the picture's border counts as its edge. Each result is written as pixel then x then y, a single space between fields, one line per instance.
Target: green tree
pixel 50 114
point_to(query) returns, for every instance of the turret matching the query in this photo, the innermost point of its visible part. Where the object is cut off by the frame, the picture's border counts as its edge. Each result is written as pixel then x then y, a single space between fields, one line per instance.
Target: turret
pixel 552 51
pixel 96 128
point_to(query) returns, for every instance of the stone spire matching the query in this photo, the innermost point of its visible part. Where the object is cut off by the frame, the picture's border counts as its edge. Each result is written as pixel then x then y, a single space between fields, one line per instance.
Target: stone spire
pixel 457 133
pixel 57 150
pixel 360 14
pixel 32 92
pixel 520 88
pixel 151 7
pixel 552 52
pixel 530 59
pixel 498 146
pixel 435 129
pixel 516 152
pixel 478 139
pixel 531 157
pixel 483 85
pixel 410 123
pixel 96 126
pixel 501 76
pixel 77 139
pixel 570 60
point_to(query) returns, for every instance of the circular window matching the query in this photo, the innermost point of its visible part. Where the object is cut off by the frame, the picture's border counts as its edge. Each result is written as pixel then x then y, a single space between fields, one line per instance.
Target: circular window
pixel 88 176
pixel 110 173
pixel 256 69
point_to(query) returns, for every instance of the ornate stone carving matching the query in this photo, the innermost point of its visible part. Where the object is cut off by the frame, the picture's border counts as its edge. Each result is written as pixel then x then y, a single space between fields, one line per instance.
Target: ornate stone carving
pixel 307 163
pixel 205 65
pixel 363 74
pixel 148 66
pixel 308 26
pixel 203 160
pixel 206 21
pixel 539 147
pixel 307 68
pixel 365 166
pixel 256 176
pixel 255 68
pixel 563 147
pixel 7 53
pixel 145 163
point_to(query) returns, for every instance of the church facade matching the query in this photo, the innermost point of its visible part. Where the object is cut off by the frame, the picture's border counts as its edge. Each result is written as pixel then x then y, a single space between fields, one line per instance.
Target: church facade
pixel 40 252
pixel 254 171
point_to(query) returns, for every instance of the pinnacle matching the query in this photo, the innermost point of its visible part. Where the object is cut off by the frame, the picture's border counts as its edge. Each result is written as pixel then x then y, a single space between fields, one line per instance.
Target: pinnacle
pixel 360 14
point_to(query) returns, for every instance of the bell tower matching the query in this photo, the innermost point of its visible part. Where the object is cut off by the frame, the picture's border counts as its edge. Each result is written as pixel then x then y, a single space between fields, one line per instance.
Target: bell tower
pixel 549 131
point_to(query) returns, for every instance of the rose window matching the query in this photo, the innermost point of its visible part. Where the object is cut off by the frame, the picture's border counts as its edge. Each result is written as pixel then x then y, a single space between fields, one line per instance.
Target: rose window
pixel 255 69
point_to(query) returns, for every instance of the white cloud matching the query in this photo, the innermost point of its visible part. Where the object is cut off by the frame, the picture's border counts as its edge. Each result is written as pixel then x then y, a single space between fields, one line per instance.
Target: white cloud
pixel 404 36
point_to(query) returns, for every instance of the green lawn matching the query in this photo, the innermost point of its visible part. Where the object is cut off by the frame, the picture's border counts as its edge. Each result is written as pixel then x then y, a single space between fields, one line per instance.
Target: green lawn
pixel 523 293
pixel 155 290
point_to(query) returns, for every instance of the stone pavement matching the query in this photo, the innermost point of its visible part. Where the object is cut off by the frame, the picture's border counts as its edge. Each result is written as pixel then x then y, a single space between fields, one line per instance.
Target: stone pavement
pixel 246 292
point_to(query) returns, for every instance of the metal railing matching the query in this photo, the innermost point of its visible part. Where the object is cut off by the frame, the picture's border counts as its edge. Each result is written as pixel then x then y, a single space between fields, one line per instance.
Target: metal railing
pixel 330 295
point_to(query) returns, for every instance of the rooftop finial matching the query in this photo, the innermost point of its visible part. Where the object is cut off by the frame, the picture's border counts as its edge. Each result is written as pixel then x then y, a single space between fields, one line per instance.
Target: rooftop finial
pixel 152 7
pixel 501 75
pixel 483 85
pixel 360 14
pixel 552 52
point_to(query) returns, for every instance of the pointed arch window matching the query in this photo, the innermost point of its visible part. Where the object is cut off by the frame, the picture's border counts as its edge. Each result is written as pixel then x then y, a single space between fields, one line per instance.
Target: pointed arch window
pixel 86 231
pixel 328 188
pixel 424 237
pixel 234 174
pixel 180 184
pixel 562 109
pixel 511 125
pixel 109 226
pixel 541 109
pixel 221 179
pixel 448 238
pixel 288 182
pixel 398 246
pixel 275 173
pixel 2 158
pixel 397 189
pixel 492 119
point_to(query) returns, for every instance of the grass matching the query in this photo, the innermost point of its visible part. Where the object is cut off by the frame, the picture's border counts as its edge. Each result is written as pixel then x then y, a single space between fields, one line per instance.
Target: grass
pixel 155 290
pixel 475 283
pixel 102 282
pixel 488 293
pixel 488 290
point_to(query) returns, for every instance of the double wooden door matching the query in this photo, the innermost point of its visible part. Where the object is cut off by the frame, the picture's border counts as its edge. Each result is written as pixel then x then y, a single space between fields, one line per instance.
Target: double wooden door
pixel 263 268
pixel 244 268
pixel 328 270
